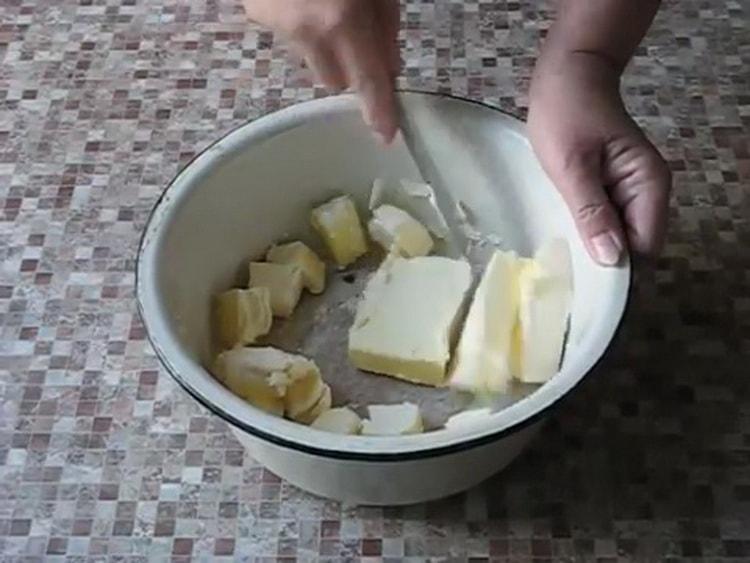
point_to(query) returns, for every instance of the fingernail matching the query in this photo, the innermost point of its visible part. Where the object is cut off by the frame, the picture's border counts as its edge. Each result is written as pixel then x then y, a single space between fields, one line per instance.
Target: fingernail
pixel 607 248
pixel 383 140
pixel 367 117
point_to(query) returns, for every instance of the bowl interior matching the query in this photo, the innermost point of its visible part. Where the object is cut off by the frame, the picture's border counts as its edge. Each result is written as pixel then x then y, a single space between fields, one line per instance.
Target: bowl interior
pixel 257 186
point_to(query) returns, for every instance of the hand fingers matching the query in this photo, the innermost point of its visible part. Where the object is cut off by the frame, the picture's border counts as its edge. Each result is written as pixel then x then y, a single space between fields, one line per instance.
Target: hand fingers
pixel 325 66
pixel 367 72
pixel 580 183
pixel 641 183
pixel 389 15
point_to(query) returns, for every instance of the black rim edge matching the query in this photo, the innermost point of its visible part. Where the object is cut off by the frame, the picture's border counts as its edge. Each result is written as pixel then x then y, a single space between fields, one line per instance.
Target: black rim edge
pixel 333 453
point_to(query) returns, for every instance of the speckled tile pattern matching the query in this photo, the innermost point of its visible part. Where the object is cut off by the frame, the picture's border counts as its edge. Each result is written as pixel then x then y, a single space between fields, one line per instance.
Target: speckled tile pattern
pixel 102 458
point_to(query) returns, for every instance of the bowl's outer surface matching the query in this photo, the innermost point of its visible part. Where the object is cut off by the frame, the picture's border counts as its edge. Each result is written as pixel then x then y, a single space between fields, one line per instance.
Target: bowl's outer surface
pixel 386 483
pixel 258 184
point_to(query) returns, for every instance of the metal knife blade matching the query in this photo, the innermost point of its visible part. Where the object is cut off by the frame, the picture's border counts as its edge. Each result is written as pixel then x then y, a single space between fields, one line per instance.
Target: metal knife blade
pixel 421 129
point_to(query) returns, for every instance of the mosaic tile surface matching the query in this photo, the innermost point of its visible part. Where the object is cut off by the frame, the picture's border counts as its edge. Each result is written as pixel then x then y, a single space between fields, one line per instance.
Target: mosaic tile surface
pixel 103 458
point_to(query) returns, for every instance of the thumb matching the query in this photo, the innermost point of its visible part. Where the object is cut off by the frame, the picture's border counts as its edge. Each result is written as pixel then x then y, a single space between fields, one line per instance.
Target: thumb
pixel 595 216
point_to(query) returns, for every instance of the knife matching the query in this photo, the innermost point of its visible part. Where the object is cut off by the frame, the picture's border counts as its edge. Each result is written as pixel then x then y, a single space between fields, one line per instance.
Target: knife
pixel 427 139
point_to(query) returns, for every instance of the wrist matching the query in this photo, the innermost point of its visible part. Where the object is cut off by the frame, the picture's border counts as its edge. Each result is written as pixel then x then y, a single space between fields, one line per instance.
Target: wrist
pixel 585 71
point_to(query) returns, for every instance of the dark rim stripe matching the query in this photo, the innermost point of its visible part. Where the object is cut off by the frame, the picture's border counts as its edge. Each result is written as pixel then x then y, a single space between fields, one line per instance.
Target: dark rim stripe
pixel 333 453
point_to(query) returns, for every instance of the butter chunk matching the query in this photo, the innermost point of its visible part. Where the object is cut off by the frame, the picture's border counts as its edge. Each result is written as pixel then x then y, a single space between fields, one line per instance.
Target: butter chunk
pixel 242 315
pixel 392 227
pixel 246 372
pixel 304 389
pixel 406 318
pixel 338 224
pixel 300 255
pixel 545 295
pixel 284 281
pixel 482 360
pixel 340 420
pixel 323 404
pixel 271 379
pixel 416 198
pixel 393 420
pixel 468 417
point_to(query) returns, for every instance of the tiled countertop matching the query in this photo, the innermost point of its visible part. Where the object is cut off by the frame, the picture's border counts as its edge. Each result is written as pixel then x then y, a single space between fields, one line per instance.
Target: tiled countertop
pixel 103 458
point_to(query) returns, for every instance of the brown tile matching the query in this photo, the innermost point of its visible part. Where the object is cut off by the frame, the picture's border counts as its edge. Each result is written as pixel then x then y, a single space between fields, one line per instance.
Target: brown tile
pixel 57 546
pixel 224 546
pixel 182 546
pixel 20 527
pixel 108 491
pixel 330 528
pixel 164 528
pixel 372 547
pixel 82 527
pixel 122 528
pixel 101 424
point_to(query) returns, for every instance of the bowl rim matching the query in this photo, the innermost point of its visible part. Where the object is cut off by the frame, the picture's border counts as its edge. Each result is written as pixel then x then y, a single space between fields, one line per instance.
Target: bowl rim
pixel 333 452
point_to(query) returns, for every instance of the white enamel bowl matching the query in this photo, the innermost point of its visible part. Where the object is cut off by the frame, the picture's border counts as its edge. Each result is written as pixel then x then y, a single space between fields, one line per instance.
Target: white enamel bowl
pixel 257 185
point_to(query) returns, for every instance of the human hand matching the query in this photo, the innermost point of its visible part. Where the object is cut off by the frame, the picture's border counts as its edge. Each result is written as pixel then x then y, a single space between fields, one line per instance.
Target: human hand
pixel 613 180
pixel 347 44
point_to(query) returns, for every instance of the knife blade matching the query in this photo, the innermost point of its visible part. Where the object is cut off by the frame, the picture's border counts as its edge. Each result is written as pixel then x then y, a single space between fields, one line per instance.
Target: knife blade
pixel 422 131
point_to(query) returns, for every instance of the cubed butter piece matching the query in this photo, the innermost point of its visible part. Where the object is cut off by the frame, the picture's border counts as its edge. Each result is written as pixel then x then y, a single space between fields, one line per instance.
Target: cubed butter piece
pixel 468 417
pixel 545 295
pixel 304 389
pixel 300 255
pixel 242 315
pixel 393 420
pixel 245 372
pixel 284 282
pixel 322 405
pixel 271 379
pixel 482 360
pixel 416 198
pixel 341 420
pixel 394 228
pixel 406 319
pixel 338 223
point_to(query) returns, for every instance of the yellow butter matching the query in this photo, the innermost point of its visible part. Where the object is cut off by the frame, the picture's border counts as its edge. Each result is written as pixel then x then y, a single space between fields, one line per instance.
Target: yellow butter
pixel 273 380
pixel 483 357
pixel 406 318
pixel 300 255
pixel 304 389
pixel 545 296
pixel 338 224
pixel 341 420
pixel 322 405
pixel 242 315
pixel 246 374
pixel 393 420
pixel 283 281
pixel 392 227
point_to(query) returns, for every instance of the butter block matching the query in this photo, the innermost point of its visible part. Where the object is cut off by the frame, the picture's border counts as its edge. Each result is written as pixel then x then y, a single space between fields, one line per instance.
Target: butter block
pixel 341 420
pixel 299 254
pixel 545 296
pixel 393 420
pixel 284 282
pixel 242 315
pixel 482 360
pixel 271 379
pixel 394 228
pixel 338 224
pixel 406 318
